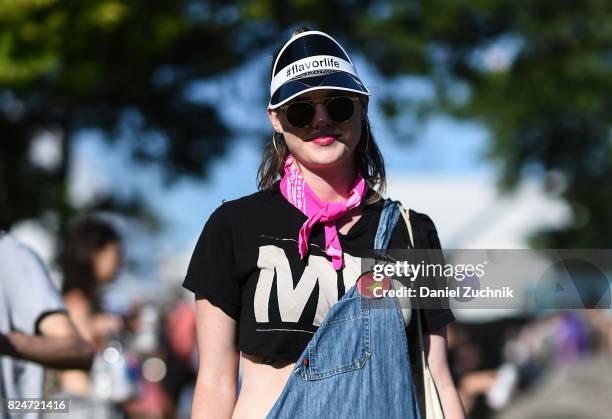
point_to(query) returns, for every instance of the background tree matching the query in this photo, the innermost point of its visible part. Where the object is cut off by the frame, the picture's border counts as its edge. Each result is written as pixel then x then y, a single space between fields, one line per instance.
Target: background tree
pixel 536 73
pixel 71 65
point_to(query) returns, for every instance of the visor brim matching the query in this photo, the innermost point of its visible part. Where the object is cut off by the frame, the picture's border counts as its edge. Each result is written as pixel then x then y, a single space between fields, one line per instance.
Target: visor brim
pixel 339 80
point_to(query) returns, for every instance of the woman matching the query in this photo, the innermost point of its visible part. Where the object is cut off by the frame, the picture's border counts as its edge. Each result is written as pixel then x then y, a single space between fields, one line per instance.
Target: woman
pixel 90 258
pixel 268 266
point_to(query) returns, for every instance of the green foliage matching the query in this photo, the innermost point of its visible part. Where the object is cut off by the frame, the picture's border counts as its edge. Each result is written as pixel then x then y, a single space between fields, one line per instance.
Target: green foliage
pixel 76 64
pixel 537 73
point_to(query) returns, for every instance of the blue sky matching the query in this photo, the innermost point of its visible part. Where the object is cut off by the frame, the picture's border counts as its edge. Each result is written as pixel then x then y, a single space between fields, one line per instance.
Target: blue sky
pixel 439 146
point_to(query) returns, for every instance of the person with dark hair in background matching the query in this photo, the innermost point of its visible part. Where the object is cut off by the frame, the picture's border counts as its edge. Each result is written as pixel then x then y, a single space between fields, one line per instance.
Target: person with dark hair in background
pixel 90 258
pixel 35 330
pixel 268 267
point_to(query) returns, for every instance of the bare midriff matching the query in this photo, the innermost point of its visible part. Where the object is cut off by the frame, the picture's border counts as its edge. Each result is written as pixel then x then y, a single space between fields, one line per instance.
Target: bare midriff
pixel 261 386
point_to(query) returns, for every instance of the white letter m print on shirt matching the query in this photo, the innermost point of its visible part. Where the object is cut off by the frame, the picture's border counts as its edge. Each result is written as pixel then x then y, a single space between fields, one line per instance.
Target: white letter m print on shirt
pixel 292 301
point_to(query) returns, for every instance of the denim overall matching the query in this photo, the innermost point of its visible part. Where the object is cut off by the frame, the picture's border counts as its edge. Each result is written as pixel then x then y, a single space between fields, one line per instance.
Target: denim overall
pixel 357 363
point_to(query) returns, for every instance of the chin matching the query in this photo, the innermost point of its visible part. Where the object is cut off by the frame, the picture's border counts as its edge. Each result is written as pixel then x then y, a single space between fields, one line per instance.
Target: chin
pixel 328 159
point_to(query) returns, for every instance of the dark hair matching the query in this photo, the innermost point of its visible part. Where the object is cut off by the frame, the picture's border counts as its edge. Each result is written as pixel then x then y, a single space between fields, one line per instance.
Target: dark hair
pixel 4 219
pixel 370 162
pixel 85 236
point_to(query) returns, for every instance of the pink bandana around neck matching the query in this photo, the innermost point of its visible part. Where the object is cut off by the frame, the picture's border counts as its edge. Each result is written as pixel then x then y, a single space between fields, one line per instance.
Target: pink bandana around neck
pixel 295 189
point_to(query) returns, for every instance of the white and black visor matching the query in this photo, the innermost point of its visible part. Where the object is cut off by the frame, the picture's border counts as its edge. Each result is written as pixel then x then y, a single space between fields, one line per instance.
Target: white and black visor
pixel 312 60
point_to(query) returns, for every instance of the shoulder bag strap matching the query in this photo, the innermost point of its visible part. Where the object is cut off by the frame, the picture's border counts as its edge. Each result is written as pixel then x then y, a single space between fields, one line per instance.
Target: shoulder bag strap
pixel 429 398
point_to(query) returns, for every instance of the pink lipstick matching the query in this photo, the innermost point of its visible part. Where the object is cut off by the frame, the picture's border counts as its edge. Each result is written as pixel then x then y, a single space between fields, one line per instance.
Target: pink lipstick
pixel 325 140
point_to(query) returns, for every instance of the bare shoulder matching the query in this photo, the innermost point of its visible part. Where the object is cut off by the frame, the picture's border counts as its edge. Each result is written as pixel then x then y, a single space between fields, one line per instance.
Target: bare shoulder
pixel 76 300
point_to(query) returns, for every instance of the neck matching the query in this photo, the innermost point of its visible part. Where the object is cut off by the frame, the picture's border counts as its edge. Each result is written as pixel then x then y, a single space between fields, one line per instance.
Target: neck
pixel 330 184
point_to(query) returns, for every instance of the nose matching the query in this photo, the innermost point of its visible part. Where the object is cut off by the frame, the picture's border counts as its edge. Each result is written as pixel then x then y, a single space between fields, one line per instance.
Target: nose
pixel 321 118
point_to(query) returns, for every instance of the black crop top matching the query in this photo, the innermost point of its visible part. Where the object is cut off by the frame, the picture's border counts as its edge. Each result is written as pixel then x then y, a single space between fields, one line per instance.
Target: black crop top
pixel 246 262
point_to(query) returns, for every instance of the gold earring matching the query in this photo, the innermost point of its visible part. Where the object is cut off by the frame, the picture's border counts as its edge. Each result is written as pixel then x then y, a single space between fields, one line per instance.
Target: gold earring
pixel 274 143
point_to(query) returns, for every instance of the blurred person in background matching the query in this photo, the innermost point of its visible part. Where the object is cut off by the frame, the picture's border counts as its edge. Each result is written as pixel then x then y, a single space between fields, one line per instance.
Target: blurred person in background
pixel 323 152
pixel 497 363
pixel 182 353
pixel 35 330
pixel 147 352
pixel 559 336
pixel 90 258
pixel 564 362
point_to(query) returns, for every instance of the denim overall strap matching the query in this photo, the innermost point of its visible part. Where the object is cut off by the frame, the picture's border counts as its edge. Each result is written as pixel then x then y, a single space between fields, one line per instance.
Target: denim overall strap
pixel 388 219
pixel 357 363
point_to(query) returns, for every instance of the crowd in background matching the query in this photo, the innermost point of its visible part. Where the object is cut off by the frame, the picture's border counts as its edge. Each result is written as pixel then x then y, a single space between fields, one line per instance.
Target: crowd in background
pixel 145 358
pixel 494 363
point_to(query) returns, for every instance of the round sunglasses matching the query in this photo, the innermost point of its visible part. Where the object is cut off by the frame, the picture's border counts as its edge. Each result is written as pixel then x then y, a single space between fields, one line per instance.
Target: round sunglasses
pixel 301 113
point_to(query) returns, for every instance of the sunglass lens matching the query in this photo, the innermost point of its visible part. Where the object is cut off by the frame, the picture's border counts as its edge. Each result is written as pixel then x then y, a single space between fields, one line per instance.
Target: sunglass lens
pixel 300 114
pixel 340 109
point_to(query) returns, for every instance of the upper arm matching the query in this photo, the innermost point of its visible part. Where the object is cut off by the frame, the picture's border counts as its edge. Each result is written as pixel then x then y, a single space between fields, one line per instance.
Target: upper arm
pixel 218 302
pixel 436 349
pixel 438 367
pixel 218 354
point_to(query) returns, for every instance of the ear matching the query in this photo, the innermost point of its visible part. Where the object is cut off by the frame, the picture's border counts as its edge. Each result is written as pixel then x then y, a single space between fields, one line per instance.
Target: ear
pixel 364 107
pixel 274 120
